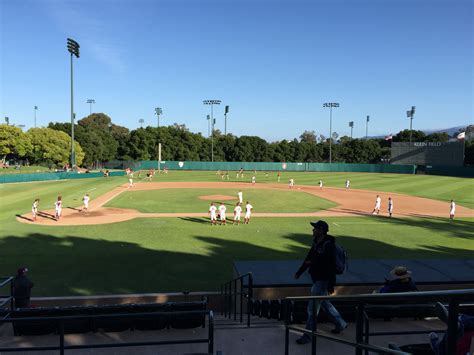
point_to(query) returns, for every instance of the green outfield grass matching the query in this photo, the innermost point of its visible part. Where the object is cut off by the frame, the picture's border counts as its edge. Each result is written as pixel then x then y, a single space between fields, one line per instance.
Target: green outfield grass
pixel 176 254
pixel 187 200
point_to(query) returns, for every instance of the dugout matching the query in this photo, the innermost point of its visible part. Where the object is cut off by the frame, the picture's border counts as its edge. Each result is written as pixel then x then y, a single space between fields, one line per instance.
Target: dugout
pixel 447 154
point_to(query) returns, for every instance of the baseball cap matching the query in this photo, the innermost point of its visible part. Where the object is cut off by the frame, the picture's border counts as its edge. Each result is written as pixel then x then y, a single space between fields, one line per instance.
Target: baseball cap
pixel 22 270
pixel 320 225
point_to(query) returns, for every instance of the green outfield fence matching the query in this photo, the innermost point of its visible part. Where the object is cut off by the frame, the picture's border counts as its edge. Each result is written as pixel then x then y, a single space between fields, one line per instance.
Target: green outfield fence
pixel 9 178
pixel 262 166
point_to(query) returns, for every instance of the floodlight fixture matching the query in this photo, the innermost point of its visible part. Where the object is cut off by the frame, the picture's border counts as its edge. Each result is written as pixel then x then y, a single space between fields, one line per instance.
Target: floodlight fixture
pixel 158 112
pixel 212 103
pixel 90 102
pixel 73 48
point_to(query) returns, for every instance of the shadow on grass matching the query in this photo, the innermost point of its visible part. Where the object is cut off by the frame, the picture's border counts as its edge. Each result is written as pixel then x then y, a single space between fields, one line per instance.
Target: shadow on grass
pixel 201 220
pixel 72 265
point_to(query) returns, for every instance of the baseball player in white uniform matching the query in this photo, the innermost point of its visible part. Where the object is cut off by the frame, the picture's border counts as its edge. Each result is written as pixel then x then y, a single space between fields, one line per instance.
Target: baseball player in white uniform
pixel 378 201
pixel 452 209
pixel 59 207
pixel 34 208
pixel 291 183
pixel 222 210
pixel 390 206
pixel 237 212
pixel 253 180
pixel 248 212
pixel 348 184
pixel 240 196
pixel 85 201
pixel 320 184
pixel 213 213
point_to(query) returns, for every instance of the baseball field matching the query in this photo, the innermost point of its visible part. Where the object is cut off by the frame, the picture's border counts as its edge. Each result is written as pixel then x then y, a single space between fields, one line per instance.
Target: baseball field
pixel 156 236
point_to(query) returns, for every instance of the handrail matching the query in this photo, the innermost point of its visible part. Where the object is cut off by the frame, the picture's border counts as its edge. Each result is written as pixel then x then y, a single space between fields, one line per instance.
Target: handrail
pixel 454 298
pixel 60 319
pixel 8 280
pixel 229 293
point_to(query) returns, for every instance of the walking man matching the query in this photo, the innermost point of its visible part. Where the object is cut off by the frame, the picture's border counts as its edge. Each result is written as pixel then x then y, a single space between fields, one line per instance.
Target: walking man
pixel 321 265
pixel 85 200
pixel 348 184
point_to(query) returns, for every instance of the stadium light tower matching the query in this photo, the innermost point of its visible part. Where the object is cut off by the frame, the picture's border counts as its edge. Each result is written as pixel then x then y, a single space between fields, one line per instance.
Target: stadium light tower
pixel 7 120
pixel 208 125
pixel 351 124
pixel 330 105
pixel 410 115
pixel 213 122
pixel 367 127
pixel 35 109
pixel 73 48
pixel 90 102
pixel 158 112
pixel 141 121
pixel 226 111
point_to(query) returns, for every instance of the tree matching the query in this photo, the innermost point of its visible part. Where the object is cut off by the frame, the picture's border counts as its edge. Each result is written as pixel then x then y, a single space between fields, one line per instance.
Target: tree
pixel 437 137
pixel 13 142
pixel 308 137
pixel 404 136
pixel 52 147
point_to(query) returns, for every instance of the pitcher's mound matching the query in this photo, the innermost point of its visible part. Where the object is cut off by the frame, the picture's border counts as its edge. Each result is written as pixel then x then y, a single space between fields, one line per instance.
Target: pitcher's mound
pixel 217 197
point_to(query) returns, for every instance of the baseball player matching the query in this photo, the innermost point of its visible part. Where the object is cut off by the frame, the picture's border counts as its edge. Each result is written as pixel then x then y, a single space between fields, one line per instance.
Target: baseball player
pixel 278 176
pixel 130 180
pixel 390 206
pixel 213 214
pixel 378 201
pixel 253 180
pixel 248 212
pixel 291 183
pixel 85 201
pixel 222 210
pixel 240 196
pixel 34 208
pixel 452 209
pixel 237 212
pixel 59 207
pixel 348 184
pixel 320 184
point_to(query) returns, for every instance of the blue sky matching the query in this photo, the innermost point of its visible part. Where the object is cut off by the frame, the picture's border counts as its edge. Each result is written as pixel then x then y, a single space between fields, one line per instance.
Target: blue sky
pixel 273 62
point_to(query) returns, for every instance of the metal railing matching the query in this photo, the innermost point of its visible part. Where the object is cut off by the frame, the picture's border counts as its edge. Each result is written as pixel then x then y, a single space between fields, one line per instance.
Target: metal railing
pixel 361 342
pixel 4 299
pixel 61 320
pixel 234 289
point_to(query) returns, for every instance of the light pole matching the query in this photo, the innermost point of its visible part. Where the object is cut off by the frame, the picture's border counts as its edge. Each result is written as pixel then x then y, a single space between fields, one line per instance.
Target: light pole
pixel 330 105
pixel 35 109
pixel 213 122
pixel 7 120
pixel 141 121
pixel 158 112
pixel 73 48
pixel 351 124
pixel 226 111
pixel 410 115
pixel 90 102
pixel 367 127
pixel 208 125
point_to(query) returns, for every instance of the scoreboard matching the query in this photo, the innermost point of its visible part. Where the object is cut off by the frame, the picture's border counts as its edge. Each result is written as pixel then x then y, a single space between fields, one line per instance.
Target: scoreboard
pixel 428 153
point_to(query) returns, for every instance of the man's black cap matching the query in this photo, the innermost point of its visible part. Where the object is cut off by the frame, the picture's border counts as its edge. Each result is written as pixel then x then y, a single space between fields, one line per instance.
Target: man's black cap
pixel 320 225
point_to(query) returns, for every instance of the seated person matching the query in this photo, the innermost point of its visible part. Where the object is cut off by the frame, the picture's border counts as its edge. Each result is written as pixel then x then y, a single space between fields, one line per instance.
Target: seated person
pixel 401 282
pixel 464 335
pixel 22 289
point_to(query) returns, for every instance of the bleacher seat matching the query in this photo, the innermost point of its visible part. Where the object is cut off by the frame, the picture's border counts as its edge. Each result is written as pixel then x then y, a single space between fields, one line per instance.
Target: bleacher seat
pixel 35 327
pixel 115 324
pixel 187 321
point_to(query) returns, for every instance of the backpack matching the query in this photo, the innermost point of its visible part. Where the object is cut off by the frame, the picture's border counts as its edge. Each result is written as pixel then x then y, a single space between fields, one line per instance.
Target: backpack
pixel 341 260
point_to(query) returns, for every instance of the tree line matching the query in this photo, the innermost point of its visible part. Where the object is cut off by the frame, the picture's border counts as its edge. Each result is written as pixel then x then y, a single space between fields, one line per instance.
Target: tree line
pixel 97 139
